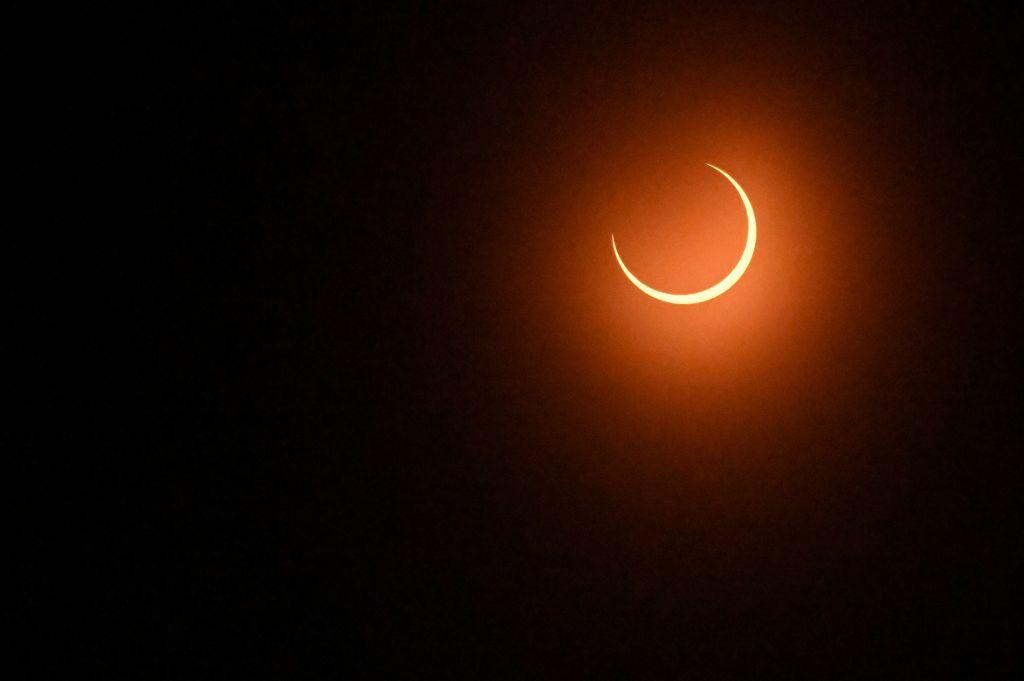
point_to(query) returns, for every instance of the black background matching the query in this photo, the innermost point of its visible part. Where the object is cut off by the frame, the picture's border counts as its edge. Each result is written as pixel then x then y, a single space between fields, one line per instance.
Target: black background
pixel 363 466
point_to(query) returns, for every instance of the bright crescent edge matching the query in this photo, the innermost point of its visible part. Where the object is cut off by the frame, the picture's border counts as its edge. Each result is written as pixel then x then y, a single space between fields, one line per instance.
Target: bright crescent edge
pixel 722 286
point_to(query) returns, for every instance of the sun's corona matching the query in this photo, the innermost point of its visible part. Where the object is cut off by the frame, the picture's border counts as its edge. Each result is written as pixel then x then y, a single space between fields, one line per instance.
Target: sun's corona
pixel 722 286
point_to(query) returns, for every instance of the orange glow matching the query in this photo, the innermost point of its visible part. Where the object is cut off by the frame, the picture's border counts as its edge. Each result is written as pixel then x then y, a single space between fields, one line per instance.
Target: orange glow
pixel 723 285
pixel 788 353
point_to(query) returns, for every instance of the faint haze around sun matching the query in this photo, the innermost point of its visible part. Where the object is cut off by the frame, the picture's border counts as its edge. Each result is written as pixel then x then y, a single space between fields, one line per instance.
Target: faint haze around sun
pixel 791 347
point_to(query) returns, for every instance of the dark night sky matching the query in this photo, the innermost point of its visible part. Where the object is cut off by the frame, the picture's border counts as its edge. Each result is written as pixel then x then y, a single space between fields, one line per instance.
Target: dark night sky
pixel 411 420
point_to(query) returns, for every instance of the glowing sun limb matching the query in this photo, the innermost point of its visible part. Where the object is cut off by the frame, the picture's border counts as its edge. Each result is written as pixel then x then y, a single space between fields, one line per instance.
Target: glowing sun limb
pixel 722 286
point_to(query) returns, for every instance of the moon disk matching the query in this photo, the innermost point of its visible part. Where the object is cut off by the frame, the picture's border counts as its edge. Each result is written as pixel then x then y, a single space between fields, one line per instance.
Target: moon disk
pixel 722 286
